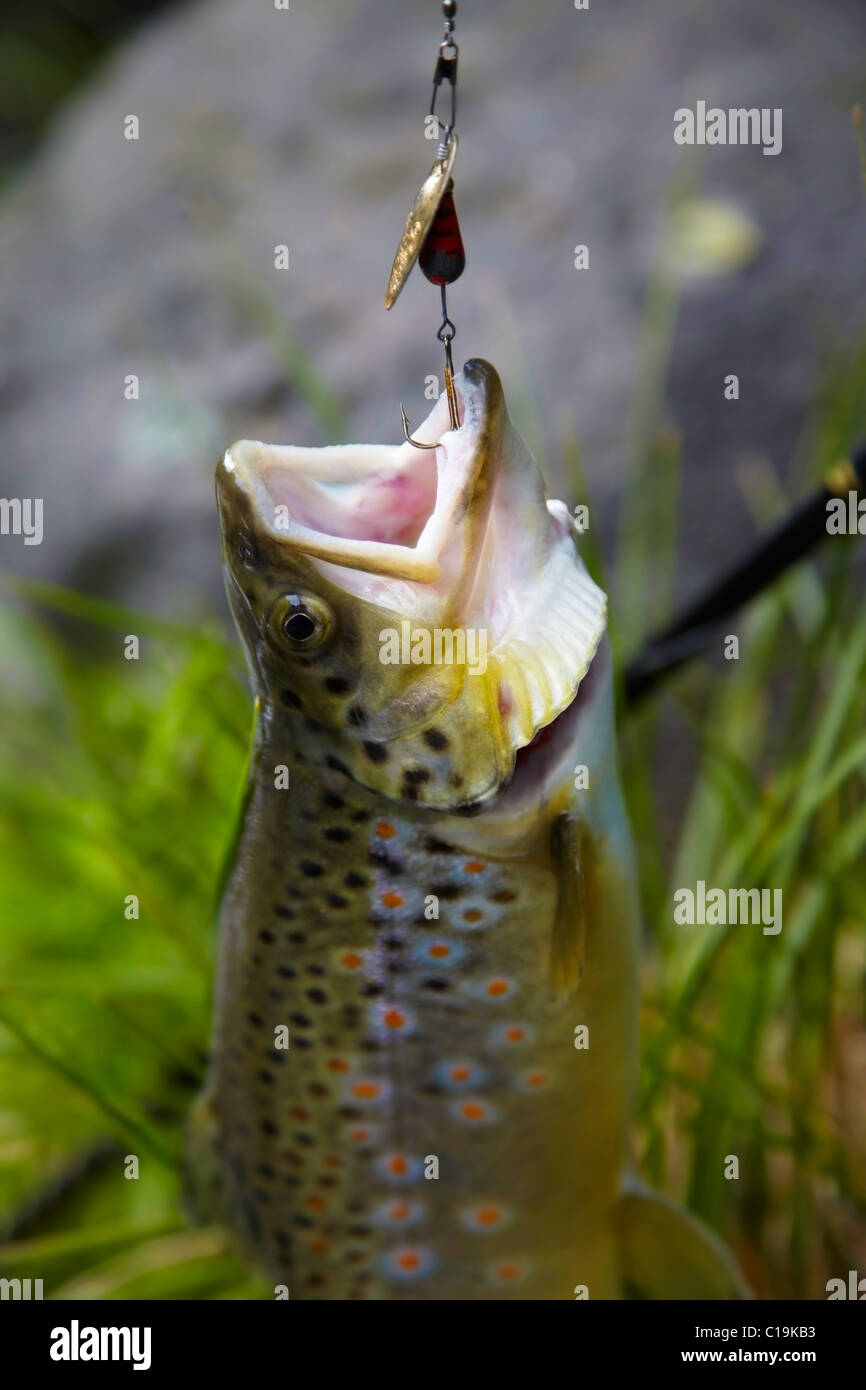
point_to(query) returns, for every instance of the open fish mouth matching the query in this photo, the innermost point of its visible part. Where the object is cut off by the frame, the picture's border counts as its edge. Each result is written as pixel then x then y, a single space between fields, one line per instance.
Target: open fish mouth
pixel 460 539
pixel 388 510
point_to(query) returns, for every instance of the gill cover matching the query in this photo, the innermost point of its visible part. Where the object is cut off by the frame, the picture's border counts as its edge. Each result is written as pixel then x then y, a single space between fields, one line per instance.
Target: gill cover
pixel 419 615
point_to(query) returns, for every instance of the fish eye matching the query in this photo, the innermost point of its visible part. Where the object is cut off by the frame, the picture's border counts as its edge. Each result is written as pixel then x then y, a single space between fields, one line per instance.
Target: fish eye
pixel 301 622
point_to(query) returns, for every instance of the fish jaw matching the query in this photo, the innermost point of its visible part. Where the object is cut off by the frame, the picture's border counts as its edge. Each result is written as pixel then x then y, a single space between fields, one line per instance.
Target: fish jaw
pixel 421 615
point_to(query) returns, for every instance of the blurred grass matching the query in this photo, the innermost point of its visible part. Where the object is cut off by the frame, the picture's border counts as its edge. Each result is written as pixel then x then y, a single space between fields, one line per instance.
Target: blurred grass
pixel 124 777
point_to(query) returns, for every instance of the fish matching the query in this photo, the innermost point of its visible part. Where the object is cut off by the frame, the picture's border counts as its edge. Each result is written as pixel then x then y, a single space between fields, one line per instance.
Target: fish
pixel 423 1067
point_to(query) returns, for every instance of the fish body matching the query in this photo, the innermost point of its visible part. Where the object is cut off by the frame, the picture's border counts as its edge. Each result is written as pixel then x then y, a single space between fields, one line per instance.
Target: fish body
pixel 425 1046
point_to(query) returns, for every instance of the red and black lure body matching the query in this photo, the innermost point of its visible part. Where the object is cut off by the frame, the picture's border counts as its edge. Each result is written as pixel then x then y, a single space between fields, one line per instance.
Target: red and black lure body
pixel 442 257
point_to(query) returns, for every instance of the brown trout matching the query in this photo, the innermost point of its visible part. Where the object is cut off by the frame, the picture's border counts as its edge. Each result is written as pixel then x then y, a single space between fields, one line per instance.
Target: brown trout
pixel 425 1046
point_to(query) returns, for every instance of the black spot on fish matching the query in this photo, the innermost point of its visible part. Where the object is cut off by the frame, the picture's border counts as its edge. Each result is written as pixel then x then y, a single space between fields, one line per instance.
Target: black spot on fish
pixel 411 793
pixel 289 698
pixel 266 1078
pixel 265 1170
pixel 434 846
pixel 302 1220
pixel 448 891
pixel 286 972
pixel 277 995
pixel 360 816
pixel 300 1020
pixel 336 766
pixel 379 855
pixel 318 1091
pixel 376 752
pixel 317 996
pixel 370 1045
pixel 355 880
pixel 268 1127
pixel 338 685
pixel 434 738
pixel 333 801
pixel 337 900
pixel 287 913
pixel 338 834
pixel 357 716
pixel 297 938
pixel 308 1140
pixel 315 970
pixel 416 776
pixel 255 1019
pixel 267 937
pixel 370 991
pixel 437 983
pixel 274 1055
pixel 311 869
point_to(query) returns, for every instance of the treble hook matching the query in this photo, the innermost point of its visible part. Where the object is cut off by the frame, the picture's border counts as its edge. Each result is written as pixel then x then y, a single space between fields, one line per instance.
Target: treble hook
pixel 445 336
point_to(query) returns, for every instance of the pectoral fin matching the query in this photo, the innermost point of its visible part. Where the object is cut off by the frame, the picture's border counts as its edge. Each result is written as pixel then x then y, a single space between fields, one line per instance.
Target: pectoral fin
pixel 571 851
pixel 666 1253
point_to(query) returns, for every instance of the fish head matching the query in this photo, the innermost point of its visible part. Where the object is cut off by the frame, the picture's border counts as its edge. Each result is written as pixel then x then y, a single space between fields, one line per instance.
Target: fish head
pixel 414 617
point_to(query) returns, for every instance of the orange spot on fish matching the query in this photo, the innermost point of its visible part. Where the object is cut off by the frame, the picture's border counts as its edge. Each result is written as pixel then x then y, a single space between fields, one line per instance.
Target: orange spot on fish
pixel 398 1211
pixel 397 1165
pixel 488 1216
pixel 473 1110
pixel 366 1090
pixel 385 831
pixel 515 1034
pixel 351 960
pixel 316 1203
pixel 392 899
pixel 337 1064
pixel 460 1073
pixel 439 950
pixel 474 866
pixel 317 1245
pixel 535 1079
pixel 507 1271
pixel 408 1259
pixel 472 914
pixel 359 1136
pixel 395 1019
pixel 496 988
pixel 504 895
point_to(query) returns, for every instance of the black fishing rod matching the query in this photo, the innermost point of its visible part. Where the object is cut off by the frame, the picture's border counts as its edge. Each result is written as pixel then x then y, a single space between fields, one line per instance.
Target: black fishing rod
pixel 694 630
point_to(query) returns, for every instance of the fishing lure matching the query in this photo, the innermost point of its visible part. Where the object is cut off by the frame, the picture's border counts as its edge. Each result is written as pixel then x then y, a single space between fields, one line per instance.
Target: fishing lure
pixel 424 1057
